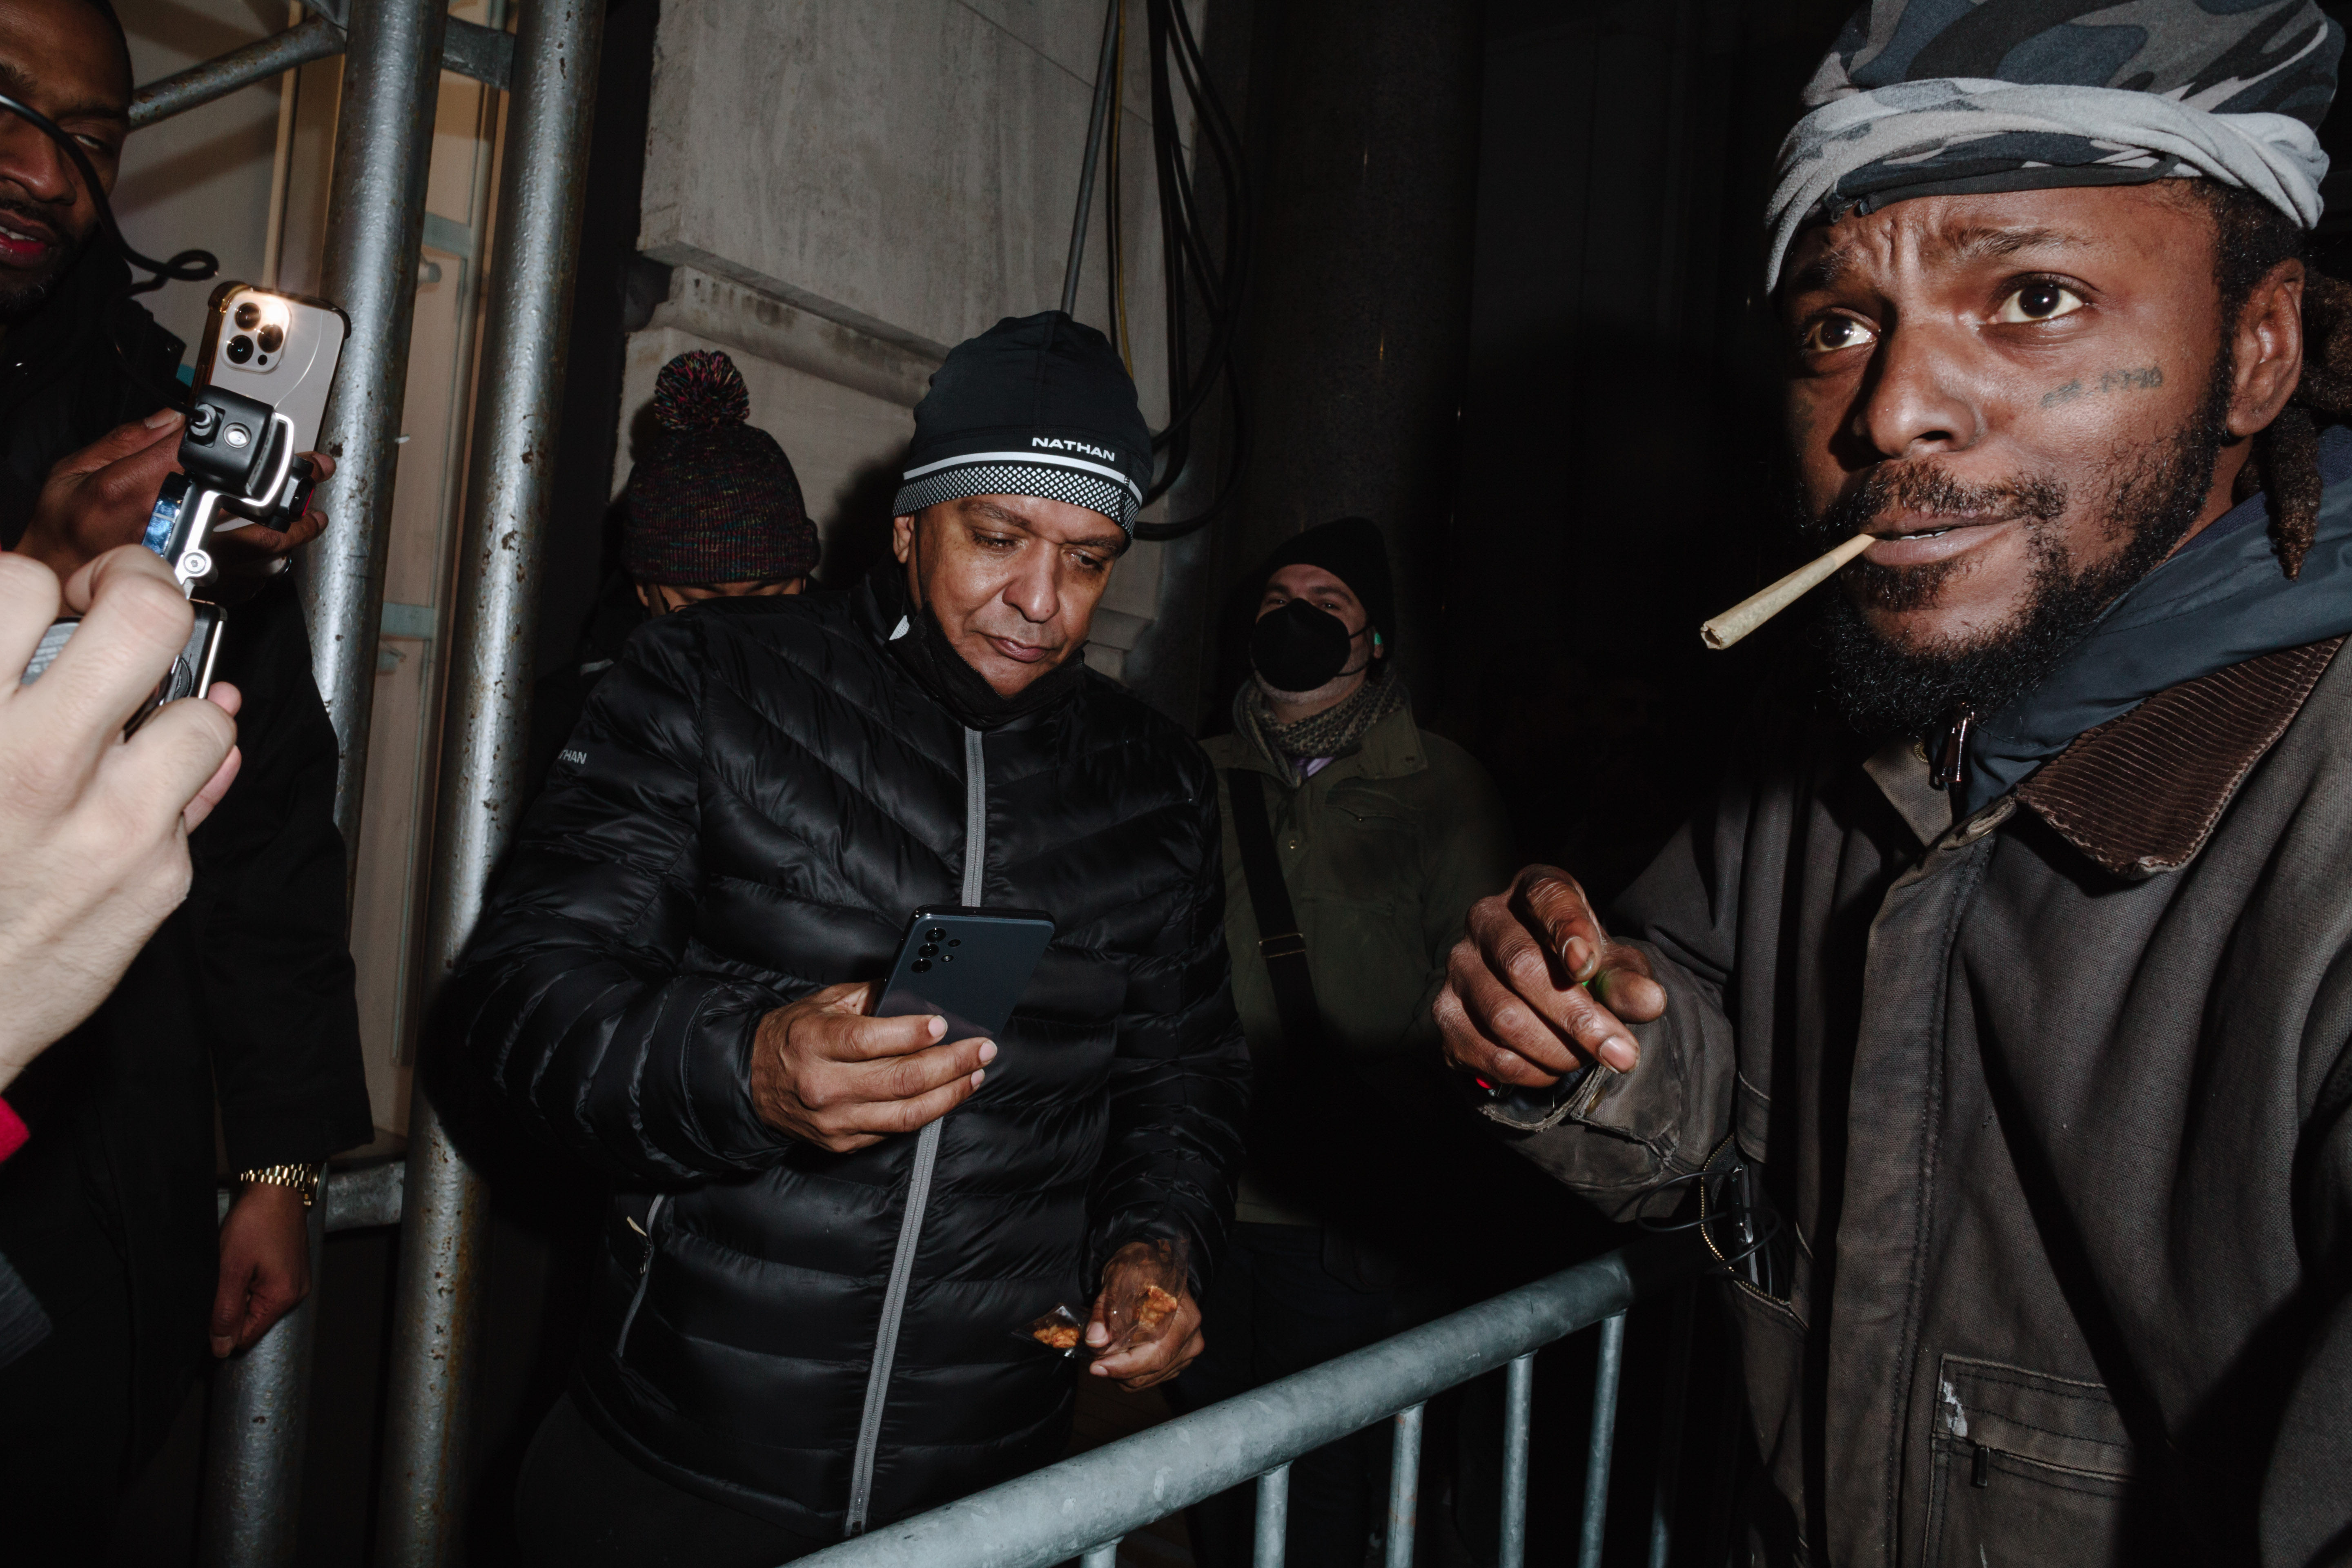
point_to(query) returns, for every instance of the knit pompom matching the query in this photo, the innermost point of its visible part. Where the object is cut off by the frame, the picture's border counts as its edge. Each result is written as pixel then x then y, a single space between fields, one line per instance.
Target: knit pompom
pixel 700 392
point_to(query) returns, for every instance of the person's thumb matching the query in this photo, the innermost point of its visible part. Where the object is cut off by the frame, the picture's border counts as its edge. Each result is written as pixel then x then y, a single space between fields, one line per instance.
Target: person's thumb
pixel 123 441
pixel 228 1311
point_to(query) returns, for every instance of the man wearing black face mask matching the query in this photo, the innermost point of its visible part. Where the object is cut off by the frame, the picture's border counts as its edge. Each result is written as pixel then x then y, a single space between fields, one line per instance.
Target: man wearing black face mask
pixel 1346 823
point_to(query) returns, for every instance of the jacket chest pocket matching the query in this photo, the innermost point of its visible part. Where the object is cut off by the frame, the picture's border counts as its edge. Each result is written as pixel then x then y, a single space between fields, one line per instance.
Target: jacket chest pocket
pixel 1366 853
pixel 2029 1469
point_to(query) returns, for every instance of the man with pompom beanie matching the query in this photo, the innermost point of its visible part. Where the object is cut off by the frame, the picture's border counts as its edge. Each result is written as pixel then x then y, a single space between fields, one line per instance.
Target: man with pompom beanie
pixel 831 1232
pixel 713 510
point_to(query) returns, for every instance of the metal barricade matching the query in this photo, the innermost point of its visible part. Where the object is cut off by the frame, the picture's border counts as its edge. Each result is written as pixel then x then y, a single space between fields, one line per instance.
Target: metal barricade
pixel 1083 1506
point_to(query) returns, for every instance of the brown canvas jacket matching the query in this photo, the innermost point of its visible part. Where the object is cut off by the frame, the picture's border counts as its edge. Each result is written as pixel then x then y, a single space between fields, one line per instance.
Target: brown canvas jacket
pixel 2054 1102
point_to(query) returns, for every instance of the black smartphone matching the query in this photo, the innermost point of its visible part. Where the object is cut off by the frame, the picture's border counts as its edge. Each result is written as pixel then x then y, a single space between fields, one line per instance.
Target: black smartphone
pixel 968 965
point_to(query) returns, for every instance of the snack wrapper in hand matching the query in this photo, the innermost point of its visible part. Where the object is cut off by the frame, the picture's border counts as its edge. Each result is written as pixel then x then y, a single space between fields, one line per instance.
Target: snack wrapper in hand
pixel 1140 1291
pixel 1059 1330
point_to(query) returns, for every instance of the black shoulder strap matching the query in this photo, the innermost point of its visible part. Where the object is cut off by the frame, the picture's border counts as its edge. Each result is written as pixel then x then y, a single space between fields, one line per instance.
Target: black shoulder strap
pixel 1279 939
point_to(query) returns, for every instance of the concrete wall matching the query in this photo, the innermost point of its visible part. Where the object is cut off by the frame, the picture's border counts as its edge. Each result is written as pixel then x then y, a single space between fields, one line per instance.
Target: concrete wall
pixel 202 179
pixel 843 192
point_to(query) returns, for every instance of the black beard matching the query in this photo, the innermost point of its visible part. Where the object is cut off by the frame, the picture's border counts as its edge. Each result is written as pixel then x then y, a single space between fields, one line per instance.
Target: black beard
pixel 2152 498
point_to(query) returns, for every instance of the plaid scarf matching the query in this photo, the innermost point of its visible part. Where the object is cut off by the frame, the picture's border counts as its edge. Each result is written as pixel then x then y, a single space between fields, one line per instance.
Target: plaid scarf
pixel 1334 732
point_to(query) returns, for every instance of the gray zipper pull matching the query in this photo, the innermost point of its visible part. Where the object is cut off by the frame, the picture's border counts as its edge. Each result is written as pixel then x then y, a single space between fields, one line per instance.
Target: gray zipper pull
pixel 645 1268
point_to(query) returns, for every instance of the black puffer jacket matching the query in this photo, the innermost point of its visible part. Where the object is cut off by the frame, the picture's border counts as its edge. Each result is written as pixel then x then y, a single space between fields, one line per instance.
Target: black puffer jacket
pixel 759 795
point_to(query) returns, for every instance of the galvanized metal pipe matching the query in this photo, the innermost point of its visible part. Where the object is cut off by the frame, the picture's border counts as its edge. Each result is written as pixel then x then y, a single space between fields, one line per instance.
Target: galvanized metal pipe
pixel 1611 1360
pixel 1055 1513
pixel 484 733
pixel 359 1200
pixel 375 226
pixel 200 84
pixel 260 1403
pixel 1405 1487
pixel 1670 1427
pixel 1518 1410
pixel 1094 154
pixel 1273 1518
pixel 1103 1556
pixel 486 53
pixel 374 217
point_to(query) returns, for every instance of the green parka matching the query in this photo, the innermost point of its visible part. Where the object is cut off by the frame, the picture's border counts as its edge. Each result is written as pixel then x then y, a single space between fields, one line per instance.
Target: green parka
pixel 1383 850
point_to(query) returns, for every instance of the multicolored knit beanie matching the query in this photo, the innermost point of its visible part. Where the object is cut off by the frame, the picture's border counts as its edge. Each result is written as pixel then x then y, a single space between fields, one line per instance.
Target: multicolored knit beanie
pixel 716 500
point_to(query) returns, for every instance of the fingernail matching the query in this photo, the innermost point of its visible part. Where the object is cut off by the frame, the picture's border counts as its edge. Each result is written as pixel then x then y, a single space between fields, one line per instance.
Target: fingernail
pixel 988 1050
pixel 939 1026
pixel 978 1073
pixel 223 1345
pixel 156 421
pixel 1617 1051
pixel 1579 955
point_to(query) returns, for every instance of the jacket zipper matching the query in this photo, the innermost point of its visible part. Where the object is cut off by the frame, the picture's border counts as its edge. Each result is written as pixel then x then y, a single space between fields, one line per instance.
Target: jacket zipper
pixel 645 1272
pixel 919 1178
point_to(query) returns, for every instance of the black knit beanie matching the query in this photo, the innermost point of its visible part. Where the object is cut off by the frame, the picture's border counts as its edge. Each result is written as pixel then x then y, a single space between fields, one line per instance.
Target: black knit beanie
pixel 1036 406
pixel 716 500
pixel 1351 548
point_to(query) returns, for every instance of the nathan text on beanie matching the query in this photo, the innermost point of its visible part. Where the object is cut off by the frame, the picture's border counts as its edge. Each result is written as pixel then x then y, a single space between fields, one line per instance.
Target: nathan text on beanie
pixel 1036 406
pixel 715 500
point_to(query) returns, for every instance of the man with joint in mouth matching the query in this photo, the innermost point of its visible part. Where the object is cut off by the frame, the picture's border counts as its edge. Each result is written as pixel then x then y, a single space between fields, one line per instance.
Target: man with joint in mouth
pixel 2009 985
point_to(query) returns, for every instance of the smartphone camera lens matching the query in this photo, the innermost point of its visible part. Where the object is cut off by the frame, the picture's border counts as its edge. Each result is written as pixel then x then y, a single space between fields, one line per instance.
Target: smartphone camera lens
pixel 955 941
pixel 249 314
pixel 935 933
pixel 241 349
pixel 922 965
pixel 272 337
pixel 928 950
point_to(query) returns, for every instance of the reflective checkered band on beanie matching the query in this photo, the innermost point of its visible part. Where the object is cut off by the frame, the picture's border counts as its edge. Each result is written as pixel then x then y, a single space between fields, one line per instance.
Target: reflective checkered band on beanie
pixel 1048 479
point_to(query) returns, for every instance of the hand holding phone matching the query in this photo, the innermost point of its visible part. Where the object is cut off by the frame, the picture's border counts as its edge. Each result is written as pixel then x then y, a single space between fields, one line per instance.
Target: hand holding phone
pixel 848 1066
pixel 825 1070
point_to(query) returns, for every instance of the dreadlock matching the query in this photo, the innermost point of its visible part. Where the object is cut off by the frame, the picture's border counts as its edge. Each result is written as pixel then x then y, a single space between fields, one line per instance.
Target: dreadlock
pixel 2251 239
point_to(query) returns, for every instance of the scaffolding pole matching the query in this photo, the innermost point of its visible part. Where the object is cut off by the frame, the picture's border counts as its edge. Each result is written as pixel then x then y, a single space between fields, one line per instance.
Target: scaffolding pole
pixel 375 231
pixel 375 224
pixel 260 1402
pixel 484 736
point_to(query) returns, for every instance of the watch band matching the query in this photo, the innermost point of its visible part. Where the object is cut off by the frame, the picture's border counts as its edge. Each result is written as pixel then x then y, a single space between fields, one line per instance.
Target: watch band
pixel 303 1177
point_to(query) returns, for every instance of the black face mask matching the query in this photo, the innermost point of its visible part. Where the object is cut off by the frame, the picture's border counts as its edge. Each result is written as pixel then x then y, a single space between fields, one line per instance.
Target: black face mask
pixel 926 652
pixel 1299 647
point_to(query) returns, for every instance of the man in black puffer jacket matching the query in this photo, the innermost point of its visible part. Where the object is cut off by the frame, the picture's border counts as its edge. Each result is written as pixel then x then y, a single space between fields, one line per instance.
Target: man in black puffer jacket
pixel 813 1316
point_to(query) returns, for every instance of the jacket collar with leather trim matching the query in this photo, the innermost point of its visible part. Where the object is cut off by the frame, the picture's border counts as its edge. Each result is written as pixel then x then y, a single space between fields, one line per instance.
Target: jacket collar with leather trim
pixel 2140 794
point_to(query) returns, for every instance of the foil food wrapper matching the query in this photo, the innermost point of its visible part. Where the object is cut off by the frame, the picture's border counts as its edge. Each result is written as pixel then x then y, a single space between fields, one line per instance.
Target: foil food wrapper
pixel 1060 1331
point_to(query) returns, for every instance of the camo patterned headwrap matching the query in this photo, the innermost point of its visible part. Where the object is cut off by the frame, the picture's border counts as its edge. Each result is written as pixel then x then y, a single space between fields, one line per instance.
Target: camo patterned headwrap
pixel 1953 97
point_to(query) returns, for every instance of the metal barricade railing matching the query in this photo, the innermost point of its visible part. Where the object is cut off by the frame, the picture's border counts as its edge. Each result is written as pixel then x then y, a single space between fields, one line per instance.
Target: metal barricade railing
pixel 1084 1507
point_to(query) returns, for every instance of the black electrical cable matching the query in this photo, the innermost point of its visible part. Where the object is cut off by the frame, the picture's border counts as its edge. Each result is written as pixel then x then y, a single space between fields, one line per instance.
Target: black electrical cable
pixel 1199 354
pixel 186 266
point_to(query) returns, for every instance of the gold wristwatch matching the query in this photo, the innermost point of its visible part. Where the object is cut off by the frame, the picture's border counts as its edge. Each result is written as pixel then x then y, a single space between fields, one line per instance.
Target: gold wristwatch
pixel 303 1177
